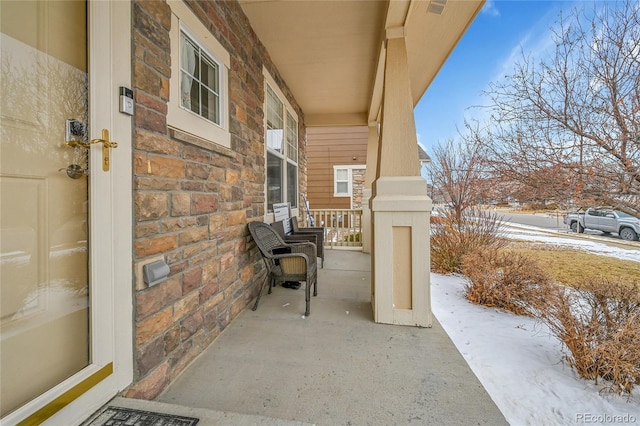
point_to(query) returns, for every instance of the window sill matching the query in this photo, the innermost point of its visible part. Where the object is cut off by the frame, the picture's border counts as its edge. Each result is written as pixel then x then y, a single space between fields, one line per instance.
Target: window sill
pixel 202 143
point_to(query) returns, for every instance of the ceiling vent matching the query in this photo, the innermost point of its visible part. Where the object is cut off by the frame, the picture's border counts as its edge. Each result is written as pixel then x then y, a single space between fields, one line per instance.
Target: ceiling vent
pixel 437 6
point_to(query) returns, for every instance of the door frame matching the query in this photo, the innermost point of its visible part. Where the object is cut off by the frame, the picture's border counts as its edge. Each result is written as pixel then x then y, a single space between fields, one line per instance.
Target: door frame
pixel 111 368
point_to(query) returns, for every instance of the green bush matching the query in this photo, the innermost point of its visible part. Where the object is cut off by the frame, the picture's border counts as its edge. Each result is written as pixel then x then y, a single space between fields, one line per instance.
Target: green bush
pixel 353 238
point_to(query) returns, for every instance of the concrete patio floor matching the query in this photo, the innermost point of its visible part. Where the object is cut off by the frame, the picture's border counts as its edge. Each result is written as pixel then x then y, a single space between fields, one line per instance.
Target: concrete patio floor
pixel 335 367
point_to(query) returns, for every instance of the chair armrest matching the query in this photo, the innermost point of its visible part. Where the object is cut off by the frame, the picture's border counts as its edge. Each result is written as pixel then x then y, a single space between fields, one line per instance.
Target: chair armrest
pixel 315 231
pixel 318 233
pixel 320 230
pixel 311 238
pixel 295 228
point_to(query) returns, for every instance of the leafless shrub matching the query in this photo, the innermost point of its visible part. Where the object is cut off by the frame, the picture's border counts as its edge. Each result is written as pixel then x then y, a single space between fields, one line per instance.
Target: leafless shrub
pixel 453 238
pixel 600 326
pixel 507 280
pixel 457 171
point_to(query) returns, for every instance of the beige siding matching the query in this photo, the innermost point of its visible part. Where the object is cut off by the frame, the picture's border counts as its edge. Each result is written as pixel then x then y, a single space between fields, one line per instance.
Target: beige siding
pixel 326 147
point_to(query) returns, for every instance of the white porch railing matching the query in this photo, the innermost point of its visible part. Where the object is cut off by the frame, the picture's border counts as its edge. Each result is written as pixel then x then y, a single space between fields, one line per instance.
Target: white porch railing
pixel 343 228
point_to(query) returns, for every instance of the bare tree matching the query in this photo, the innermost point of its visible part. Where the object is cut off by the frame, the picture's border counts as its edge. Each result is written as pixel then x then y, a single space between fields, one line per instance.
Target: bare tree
pixel 457 172
pixel 570 122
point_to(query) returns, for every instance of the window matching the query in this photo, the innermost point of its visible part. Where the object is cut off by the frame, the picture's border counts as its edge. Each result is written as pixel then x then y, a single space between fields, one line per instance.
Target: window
pixel 343 181
pixel 342 186
pixel 198 89
pixel 292 160
pixel 282 148
pixel 199 80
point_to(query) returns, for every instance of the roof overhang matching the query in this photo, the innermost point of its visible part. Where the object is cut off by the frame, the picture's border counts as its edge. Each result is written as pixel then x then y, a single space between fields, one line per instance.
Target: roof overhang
pixel 331 53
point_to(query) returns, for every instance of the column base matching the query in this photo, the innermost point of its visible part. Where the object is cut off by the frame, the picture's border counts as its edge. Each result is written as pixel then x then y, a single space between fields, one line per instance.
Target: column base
pixel 401 212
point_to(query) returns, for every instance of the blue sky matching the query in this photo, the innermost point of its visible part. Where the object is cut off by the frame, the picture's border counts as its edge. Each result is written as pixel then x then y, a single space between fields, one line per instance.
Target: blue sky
pixel 485 53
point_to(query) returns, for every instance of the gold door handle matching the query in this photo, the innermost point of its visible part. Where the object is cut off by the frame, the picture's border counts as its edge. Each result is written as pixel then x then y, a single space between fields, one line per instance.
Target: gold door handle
pixel 73 144
pixel 106 144
pixel 105 140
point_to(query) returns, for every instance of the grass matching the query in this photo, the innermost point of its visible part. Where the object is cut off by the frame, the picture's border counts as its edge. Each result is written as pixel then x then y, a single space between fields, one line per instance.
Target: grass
pixel 572 267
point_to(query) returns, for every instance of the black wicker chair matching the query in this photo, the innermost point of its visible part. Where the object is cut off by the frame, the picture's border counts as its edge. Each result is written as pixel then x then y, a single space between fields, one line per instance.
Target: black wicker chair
pixel 292 237
pixel 319 233
pixel 285 262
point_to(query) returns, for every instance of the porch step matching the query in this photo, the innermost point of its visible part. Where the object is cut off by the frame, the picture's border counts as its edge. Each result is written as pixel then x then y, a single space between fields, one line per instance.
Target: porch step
pixel 205 417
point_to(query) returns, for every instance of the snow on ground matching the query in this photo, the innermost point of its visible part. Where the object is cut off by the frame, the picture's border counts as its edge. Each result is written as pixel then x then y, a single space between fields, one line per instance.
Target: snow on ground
pixel 561 239
pixel 520 364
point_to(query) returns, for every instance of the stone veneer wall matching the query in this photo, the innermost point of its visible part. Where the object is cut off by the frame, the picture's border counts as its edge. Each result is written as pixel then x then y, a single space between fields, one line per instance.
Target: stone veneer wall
pixel 192 204
pixel 357 186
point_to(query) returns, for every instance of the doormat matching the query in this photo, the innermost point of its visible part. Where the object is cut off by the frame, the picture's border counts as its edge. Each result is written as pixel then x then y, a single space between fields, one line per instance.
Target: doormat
pixel 119 416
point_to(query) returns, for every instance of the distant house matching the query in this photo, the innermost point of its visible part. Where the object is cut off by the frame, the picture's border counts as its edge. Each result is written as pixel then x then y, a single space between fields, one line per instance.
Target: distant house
pixel 336 166
pixel 423 156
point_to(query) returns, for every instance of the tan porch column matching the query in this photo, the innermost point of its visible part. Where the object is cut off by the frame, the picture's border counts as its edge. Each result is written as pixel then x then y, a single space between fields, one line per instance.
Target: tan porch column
pixel 399 204
pixel 369 177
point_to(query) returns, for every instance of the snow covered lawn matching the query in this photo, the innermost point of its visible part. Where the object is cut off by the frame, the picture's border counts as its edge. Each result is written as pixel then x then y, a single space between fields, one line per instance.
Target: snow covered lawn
pixel 520 363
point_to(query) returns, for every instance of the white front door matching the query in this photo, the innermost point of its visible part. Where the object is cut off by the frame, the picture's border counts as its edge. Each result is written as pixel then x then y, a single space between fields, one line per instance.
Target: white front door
pixel 58 349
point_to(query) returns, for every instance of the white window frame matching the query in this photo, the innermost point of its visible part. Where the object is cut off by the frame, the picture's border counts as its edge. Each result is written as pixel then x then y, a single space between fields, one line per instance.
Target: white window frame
pixel 292 151
pixel 183 119
pixel 285 155
pixel 203 56
pixel 349 169
pixel 336 181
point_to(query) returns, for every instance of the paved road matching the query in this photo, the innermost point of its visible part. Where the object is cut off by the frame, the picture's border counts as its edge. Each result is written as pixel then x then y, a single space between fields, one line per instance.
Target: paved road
pixel 553 222
pixel 541 220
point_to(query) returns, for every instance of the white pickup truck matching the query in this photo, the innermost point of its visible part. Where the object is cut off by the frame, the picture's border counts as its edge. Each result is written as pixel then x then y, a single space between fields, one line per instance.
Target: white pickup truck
pixel 606 220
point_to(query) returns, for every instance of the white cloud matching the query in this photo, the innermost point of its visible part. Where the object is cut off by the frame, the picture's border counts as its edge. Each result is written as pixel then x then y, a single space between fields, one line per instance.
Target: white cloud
pixel 422 144
pixel 536 43
pixel 490 9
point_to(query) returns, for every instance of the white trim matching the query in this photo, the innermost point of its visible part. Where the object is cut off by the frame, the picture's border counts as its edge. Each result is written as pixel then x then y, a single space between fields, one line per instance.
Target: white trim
pixel 349 169
pixel 122 210
pixel 222 89
pixel 111 221
pixel 269 82
pixel 281 96
pixel 297 138
pixel 182 18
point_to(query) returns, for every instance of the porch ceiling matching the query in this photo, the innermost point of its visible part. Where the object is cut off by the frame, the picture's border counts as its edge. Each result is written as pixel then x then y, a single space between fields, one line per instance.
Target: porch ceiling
pixel 330 53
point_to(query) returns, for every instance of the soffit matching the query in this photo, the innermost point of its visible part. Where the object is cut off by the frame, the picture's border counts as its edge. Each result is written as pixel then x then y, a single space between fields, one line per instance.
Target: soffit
pixel 329 52
pixel 431 38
